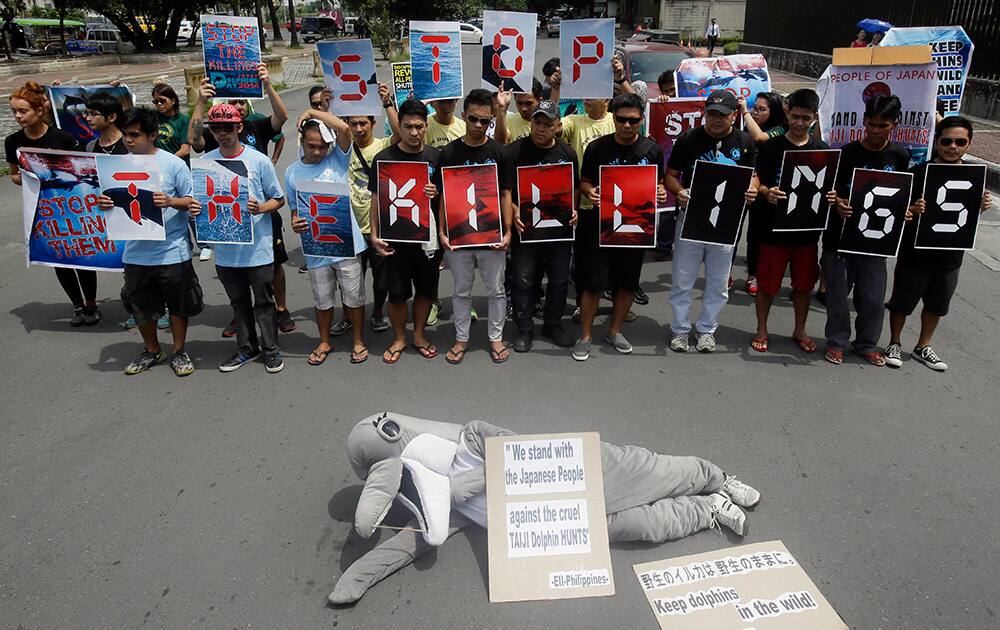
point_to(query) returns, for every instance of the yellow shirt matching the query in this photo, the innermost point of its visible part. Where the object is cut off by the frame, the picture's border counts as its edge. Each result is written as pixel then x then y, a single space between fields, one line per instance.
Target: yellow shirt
pixel 438 135
pixel 357 177
pixel 517 127
pixel 579 130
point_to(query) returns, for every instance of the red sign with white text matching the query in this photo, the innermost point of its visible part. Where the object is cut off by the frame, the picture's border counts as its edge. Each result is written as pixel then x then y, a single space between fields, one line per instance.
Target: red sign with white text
pixel 628 206
pixel 471 198
pixel 404 211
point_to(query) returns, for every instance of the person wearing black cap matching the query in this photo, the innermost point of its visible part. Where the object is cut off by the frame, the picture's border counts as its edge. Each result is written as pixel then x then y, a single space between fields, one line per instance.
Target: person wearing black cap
pixel 715 141
pixel 540 147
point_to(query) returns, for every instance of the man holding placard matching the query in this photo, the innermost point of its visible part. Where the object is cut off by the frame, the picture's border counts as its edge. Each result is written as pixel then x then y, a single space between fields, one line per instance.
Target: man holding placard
pixel 716 141
pixel 798 249
pixel 865 274
pixel 411 267
pixel 552 256
pixel 474 148
pixel 159 276
pixel 326 145
pixel 602 268
pixel 512 126
pixel 444 127
pixel 247 271
pixel 931 275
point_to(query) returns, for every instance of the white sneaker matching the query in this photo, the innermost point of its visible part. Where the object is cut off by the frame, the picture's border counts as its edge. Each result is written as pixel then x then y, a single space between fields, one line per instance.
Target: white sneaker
pixel 706 342
pixel 894 355
pixel 725 513
pixel 679 343
pixel 206 254
pixel 928 357
pixel 741 494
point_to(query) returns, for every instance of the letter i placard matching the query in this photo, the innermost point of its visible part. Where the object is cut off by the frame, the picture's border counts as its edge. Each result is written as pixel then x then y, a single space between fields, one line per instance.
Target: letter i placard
pixel 548 533
pixel 471 198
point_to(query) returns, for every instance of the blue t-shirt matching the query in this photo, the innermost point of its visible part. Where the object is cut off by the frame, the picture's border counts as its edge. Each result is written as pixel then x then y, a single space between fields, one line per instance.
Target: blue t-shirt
pixel 175 180
pixel 263 185
pixel 332 169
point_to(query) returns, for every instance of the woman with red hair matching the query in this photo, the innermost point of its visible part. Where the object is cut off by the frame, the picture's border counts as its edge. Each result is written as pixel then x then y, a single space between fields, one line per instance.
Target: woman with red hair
pixel 30 108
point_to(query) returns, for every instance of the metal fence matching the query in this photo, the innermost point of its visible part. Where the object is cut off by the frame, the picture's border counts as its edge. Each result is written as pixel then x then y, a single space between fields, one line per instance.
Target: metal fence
pixel 822 25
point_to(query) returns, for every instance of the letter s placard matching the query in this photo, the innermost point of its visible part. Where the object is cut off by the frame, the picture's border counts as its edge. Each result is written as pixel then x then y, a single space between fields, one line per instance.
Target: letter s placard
pixel 952 195
pixel 349 73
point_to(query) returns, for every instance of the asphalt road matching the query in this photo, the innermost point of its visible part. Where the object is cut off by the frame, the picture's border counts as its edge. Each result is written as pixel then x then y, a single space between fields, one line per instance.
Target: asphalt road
pixel 226 500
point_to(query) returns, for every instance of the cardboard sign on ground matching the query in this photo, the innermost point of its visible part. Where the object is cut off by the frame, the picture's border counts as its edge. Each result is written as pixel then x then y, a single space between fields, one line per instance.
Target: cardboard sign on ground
pixel 757 586
pixel 548 533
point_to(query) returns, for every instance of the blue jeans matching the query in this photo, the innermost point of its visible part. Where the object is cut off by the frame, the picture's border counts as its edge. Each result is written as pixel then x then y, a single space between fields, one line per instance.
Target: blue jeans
pixel 688 258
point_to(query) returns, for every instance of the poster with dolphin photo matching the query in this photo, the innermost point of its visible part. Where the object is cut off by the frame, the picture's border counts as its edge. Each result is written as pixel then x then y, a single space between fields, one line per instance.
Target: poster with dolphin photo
pixel 509 50
pixel 69 106
pixel 130 181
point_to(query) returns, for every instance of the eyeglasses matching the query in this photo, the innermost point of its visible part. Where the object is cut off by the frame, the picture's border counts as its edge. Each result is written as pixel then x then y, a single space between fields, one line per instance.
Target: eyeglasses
pixel 160 101
pixel 221 127
pixel 476 120
pixel 628 120
pixel 760 110
pixel 958 142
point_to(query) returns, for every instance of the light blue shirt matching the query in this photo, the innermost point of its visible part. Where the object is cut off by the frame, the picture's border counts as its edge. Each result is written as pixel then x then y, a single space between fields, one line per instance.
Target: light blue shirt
pixel 175 181
pixel 263 185
pixel 332 169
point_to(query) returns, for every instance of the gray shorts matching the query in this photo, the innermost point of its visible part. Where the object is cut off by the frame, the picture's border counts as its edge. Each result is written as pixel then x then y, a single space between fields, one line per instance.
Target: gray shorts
pixel 324 281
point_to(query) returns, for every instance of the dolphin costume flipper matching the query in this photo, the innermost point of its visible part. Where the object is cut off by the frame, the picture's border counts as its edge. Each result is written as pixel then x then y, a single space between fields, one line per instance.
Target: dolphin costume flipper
pixel 385 559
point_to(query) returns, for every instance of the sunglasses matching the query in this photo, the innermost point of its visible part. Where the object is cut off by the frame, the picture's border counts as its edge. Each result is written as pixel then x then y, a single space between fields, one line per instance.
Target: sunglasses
pixel 316 104
pixel 476 120
pixel 221 127
pixel 628 120
pixel 958 142
pixel 160 101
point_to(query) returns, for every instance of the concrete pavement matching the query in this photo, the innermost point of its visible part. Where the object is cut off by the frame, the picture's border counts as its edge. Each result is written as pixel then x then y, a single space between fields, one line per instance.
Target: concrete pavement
pixel 226 500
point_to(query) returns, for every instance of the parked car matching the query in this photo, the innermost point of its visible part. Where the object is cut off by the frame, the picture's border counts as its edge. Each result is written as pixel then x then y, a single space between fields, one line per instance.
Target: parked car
pixel 108 40
pixel 349 24
pixel 552 28
pixel 470 34
pixel 645 61
pixel 184 32
pixel 316 28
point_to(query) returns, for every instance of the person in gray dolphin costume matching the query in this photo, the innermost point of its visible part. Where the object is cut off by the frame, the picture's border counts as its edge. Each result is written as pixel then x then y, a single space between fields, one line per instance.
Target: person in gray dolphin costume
pixel 437 470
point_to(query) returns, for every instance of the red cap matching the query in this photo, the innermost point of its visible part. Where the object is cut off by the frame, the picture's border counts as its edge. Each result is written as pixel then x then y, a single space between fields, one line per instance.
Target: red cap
pixel 224 113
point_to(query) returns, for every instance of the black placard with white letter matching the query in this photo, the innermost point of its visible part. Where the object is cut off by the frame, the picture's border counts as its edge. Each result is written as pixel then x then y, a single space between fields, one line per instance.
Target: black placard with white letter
pixel 715 209
pixel 806 177
pixel 953 194
pixel 878 201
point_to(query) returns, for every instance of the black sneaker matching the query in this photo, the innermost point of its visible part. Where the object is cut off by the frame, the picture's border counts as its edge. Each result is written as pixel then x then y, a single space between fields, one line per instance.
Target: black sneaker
pixel 273 363
pixel 510 311
pixel 145 361
pixel 77 320
pixel 523 342
pixel 539 311
pixel 91 316
pixel 285 322
pixel 607 295
pixel 181 363
pixel 236 361
pixel 230 330
pixel 558 336
pixel 640 297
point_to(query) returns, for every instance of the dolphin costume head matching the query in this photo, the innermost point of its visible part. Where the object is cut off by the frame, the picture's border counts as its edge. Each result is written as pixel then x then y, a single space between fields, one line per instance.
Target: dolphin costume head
pixel 404 458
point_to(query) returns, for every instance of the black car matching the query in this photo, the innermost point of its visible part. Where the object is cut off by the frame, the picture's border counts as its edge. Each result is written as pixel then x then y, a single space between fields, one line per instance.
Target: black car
pixel 317 28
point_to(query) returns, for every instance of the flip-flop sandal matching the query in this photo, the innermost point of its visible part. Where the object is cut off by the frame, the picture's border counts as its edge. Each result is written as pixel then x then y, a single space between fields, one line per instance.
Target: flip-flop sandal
pixel 759 344
pixel 805 344
pixel 427 352
pixel 496 355
pixel 393 355
pixel 459 356
pixel 359 356
pixel 834 356
pixel 317 358
pixel 875 357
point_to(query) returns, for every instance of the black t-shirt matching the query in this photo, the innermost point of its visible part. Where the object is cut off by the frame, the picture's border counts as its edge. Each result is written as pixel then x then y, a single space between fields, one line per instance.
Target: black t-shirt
pixel 457 153
pixel 256 133
pixel 524 152
pixel 52 139
pixel 769 159
pixel 606 151
pixel 909 256
pixel 394 154
pixel 118 148
pixel 695 144
pixel 893 157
